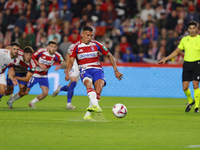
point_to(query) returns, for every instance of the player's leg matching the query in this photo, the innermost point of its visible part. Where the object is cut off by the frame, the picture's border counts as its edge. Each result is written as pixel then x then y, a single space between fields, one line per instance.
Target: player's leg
pixel 186 78
pixel 196 95
pixel 2 84
pixel 16 96
pixel 188 94
pixel 44 85
pixel 71 85
pixel 9 89
pixel 60 88
pixel 2 90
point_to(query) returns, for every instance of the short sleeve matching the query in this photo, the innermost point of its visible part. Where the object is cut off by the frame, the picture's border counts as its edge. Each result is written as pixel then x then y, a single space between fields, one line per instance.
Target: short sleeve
pixel 181 45
pixel 102 48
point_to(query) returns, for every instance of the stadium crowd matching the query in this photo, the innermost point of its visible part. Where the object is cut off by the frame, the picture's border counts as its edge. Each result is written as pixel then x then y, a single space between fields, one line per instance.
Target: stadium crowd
pixel 133 30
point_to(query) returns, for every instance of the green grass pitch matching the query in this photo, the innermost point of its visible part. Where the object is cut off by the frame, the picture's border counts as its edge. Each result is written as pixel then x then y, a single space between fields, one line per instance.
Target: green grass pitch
pixel 150 124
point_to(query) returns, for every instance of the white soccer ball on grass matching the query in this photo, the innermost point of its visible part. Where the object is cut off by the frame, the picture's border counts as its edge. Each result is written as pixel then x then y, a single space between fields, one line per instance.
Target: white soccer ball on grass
pixel 119 110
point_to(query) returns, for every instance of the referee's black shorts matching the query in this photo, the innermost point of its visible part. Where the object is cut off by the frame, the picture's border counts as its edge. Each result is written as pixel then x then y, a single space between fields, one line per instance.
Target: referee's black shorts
pixel 191 71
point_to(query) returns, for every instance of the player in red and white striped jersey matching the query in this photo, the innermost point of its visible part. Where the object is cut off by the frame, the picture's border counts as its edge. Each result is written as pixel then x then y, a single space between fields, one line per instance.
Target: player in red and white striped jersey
pixel 23 68
pixel 7 59
pixel 45 57
pixel 86 52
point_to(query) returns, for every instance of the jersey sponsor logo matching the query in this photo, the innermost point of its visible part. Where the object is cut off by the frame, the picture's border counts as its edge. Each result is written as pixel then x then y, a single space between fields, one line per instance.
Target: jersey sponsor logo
pixel 105 48
pixel 87 55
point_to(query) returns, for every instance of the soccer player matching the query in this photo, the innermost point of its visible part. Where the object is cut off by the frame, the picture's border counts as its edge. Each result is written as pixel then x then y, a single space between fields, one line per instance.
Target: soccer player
pixel 7 59
pixel 22 74
pixel 45 57
pixel 191 65
pixel 74 78
pixel 86 52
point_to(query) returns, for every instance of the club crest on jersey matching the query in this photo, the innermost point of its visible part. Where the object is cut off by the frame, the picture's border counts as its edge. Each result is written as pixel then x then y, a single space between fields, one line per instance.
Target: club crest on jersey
pixel 92 48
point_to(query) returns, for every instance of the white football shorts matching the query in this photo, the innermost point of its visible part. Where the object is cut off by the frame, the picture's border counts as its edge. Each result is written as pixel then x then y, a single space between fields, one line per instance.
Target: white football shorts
pixel 74 72
pixel 3 79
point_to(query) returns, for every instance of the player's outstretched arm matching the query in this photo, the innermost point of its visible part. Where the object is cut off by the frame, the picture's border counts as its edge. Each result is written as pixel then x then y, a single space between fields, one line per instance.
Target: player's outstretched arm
pixel 118 75
pixel 172 55
pixel 62 66
pixel 26 78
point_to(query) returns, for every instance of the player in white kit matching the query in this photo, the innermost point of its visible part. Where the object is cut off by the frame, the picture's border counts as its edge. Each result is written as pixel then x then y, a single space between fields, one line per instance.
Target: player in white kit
pixel 7 59
pixel 74 78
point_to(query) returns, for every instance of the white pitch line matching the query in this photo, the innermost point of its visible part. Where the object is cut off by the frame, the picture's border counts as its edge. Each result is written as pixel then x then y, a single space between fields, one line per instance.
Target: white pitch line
pixel 193 146
pixel 104 107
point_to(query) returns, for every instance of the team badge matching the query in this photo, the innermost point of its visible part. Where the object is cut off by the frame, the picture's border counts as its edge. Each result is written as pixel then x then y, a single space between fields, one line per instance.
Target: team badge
pixel 92 48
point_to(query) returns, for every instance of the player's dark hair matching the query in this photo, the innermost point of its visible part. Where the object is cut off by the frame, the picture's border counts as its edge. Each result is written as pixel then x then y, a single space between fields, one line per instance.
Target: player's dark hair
pixel 53 42
pixel 28 49
pixel 87 28
pixel 192 23
pixel 15 44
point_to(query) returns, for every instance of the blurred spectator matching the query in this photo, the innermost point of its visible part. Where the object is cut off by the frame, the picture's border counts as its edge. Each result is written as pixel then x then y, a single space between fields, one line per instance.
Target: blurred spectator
pixel 24 40
pixel 7 39
pixel 124 44
pixel 153 50
pixel 65 14
pixel 30 13
pixel 145 12
pixel 53 24
pixel 192 15
pixel 43 42
pixel 97 16
pixel 138 22
pixel 8 18
pixel 2 3
pixel 141 55
pixel 16 34
pixel 149 19
pixel 146 42
pixel 180 27
pixel 161 23
pixel 39 35
pixel 155 4
pixel 63 47
pixel 52 13
pixel 10 4
pixel 121 9
pixel 19 5
pixel 75 9
pixel 137 46
pixel 110 17
pixel 1 37
pixel 84 19
pixel 61 4
pixel 172 19
pixel 88 10
pixel 21 22
pixel 106 3
pixel 118 53
pixel 41 8
pixel 28 27
pixel 54 5
pixel 74 37
pixel 152 31
pixel 128 56
pixel 42 21
pixel 161 53
pixel 54 34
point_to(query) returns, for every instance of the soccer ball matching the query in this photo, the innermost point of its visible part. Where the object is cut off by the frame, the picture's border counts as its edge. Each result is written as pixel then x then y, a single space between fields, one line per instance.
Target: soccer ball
pixel 119 110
